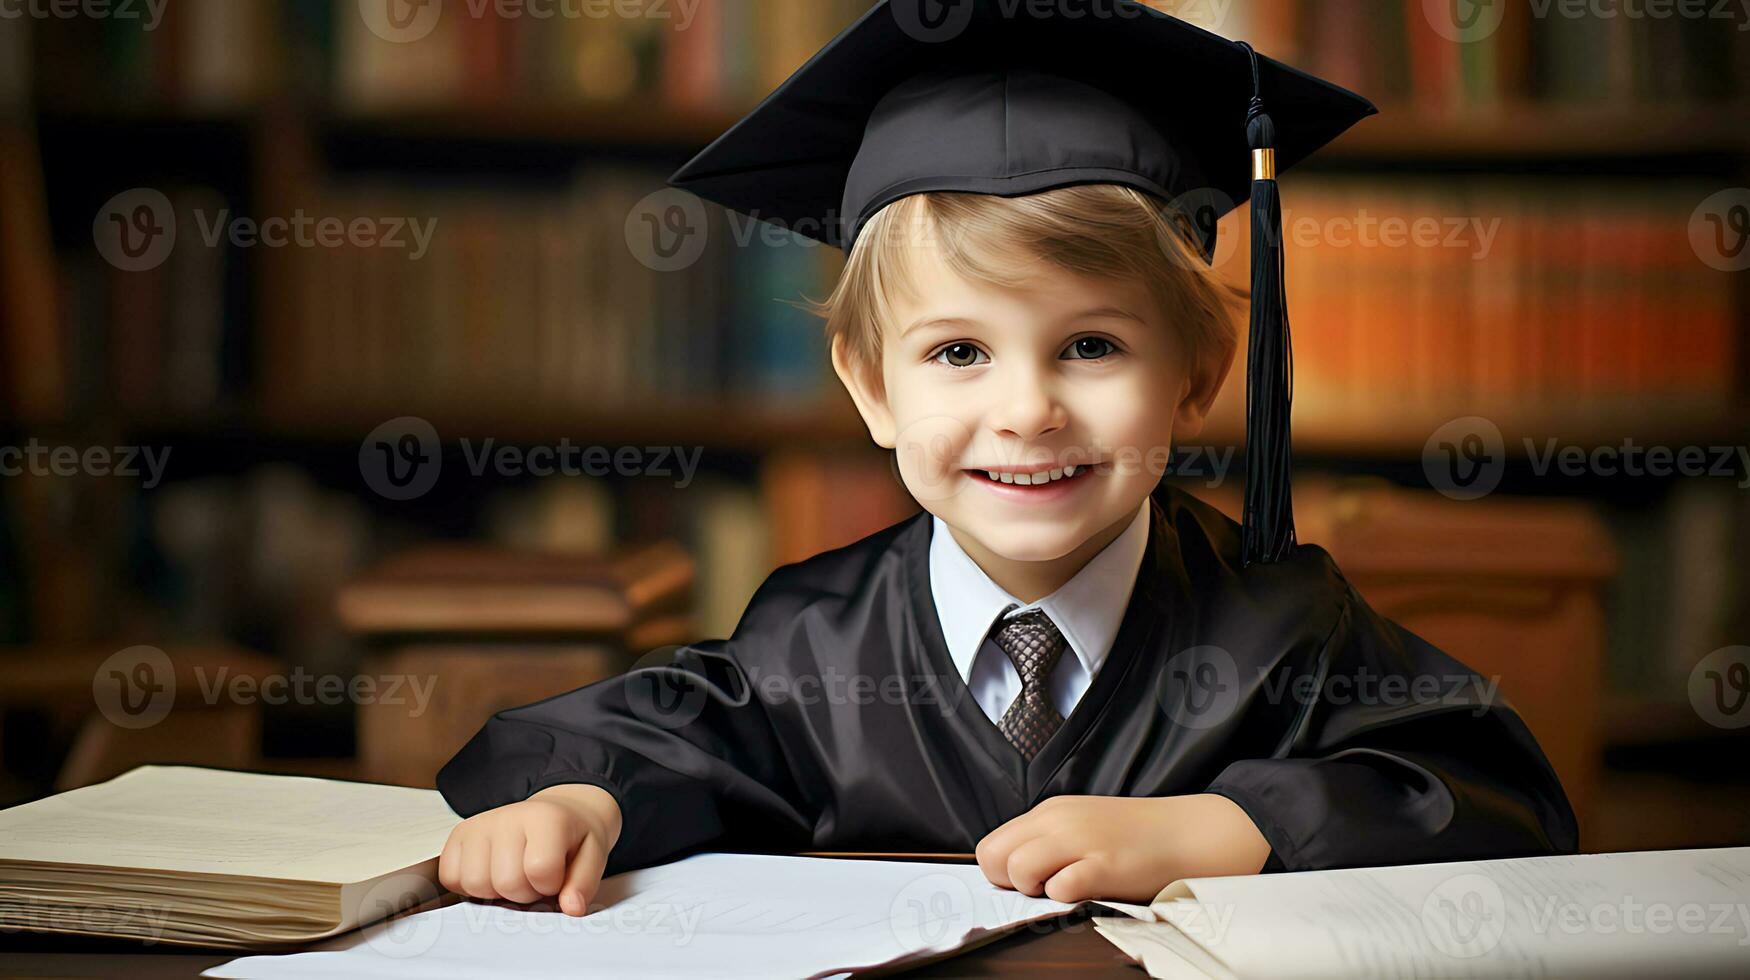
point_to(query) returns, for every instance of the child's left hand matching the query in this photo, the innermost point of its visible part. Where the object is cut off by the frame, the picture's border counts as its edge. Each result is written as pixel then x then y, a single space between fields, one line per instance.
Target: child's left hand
pixel 1127 849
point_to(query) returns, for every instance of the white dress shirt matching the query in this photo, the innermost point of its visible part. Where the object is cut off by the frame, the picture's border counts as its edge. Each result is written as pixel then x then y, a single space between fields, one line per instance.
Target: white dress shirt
pixel 1087 609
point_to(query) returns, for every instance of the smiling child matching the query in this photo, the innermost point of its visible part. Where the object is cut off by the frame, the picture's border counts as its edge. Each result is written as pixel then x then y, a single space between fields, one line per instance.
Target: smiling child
pixel 1091 680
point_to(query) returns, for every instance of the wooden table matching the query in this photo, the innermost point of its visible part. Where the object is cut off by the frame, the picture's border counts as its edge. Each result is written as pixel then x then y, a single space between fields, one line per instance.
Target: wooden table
pixel 1061 948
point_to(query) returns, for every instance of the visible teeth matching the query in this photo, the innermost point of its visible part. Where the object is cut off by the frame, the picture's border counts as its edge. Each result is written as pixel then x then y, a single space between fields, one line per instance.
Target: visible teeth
pixel 1031 479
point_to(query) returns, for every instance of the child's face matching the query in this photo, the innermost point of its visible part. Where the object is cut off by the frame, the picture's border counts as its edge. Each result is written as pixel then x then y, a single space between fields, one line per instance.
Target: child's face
pixel 1063 371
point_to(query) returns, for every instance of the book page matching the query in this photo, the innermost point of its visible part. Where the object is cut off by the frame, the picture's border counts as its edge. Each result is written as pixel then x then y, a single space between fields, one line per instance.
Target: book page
pixel 213 821
pixel 708 915
pixel 1670 913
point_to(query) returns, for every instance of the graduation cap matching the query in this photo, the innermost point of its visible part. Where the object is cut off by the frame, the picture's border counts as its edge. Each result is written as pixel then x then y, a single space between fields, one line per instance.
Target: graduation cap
pixel 1013 97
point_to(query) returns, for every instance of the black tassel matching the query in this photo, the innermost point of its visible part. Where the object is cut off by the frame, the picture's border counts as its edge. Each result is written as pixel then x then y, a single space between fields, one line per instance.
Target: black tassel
pixel 1268 522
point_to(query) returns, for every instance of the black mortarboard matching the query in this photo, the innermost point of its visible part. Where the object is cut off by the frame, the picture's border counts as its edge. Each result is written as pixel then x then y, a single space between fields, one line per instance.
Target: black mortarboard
pixel 1013 97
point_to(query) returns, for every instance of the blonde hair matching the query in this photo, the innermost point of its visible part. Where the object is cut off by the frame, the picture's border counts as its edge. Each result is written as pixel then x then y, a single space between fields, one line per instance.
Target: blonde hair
pixel 1106 231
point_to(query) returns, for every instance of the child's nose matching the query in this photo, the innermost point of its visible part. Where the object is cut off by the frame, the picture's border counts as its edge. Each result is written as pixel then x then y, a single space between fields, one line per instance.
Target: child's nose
pixel 1026 405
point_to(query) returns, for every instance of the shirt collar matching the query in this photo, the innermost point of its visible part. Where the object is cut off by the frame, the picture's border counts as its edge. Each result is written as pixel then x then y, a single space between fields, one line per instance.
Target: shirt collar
pixel 1088 609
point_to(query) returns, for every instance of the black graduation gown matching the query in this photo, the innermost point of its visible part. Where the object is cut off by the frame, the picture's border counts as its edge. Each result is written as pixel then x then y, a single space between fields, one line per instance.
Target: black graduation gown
pixel 834 719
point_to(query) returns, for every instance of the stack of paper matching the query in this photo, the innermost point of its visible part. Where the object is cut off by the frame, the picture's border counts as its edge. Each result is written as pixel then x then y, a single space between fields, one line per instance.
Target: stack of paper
pixel 1655 913
pixel 710 915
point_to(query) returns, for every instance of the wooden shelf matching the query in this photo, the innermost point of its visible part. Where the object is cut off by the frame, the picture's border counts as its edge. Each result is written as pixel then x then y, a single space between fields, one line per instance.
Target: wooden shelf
pixel 1383 433
pixel 725 426
pixel 557 123
pixel 1401 133
pixel 1543 132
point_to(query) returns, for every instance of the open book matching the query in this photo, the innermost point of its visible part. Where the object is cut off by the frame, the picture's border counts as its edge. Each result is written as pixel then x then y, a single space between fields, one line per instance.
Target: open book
pixel 1642 914
pixel 210 857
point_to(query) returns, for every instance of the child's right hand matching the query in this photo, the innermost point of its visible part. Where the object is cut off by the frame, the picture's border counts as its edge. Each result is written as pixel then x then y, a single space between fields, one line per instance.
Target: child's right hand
pixel 555 842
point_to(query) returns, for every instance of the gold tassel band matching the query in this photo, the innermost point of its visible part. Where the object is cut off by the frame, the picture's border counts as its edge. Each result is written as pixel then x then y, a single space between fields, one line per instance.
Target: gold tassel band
pixel 1264 164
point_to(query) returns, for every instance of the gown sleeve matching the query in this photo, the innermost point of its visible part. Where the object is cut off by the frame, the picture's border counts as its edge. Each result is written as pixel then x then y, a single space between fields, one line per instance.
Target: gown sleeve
pixel 687 750
pixel 1376 771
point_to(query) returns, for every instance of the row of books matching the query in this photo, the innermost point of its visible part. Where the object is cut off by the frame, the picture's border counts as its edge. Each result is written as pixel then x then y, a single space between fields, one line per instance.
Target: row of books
pixel 1409 294
pixel 1418 294
pixel 726 54
pixel 1442 55
pixel 216 54
pixel 541 302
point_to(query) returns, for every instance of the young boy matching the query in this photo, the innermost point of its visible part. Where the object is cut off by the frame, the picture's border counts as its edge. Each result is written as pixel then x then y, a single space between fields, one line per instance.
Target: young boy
pixel 1096 683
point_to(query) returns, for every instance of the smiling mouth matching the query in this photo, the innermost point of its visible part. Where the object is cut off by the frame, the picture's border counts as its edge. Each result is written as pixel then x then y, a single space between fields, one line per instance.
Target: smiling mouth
pixel 1044 478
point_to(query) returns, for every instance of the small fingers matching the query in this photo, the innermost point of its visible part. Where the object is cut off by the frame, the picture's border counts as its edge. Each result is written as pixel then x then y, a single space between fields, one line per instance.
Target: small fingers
pixel 1076 883
pixel 544 855
pixel 583 876
pixel 1035 861
pixel 508 879
pixel 450 863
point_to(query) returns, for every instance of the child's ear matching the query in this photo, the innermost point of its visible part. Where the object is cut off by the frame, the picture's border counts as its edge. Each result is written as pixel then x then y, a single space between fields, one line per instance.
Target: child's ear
pixel 1197 396
pixel 871 400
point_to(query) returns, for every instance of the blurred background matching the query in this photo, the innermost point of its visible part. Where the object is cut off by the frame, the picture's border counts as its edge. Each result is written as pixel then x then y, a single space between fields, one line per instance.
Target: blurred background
pixel 344 346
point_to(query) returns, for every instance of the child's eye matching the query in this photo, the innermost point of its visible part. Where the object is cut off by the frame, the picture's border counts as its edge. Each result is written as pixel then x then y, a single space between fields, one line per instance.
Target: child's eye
pixel 1090 349
pixel 958 355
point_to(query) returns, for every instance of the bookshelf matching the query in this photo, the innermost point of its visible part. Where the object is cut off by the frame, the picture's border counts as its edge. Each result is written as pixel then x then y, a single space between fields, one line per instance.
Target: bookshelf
pixel 313 113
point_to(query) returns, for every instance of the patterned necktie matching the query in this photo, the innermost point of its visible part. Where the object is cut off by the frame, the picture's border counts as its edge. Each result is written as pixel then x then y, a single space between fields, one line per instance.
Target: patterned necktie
pixel 1033 644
